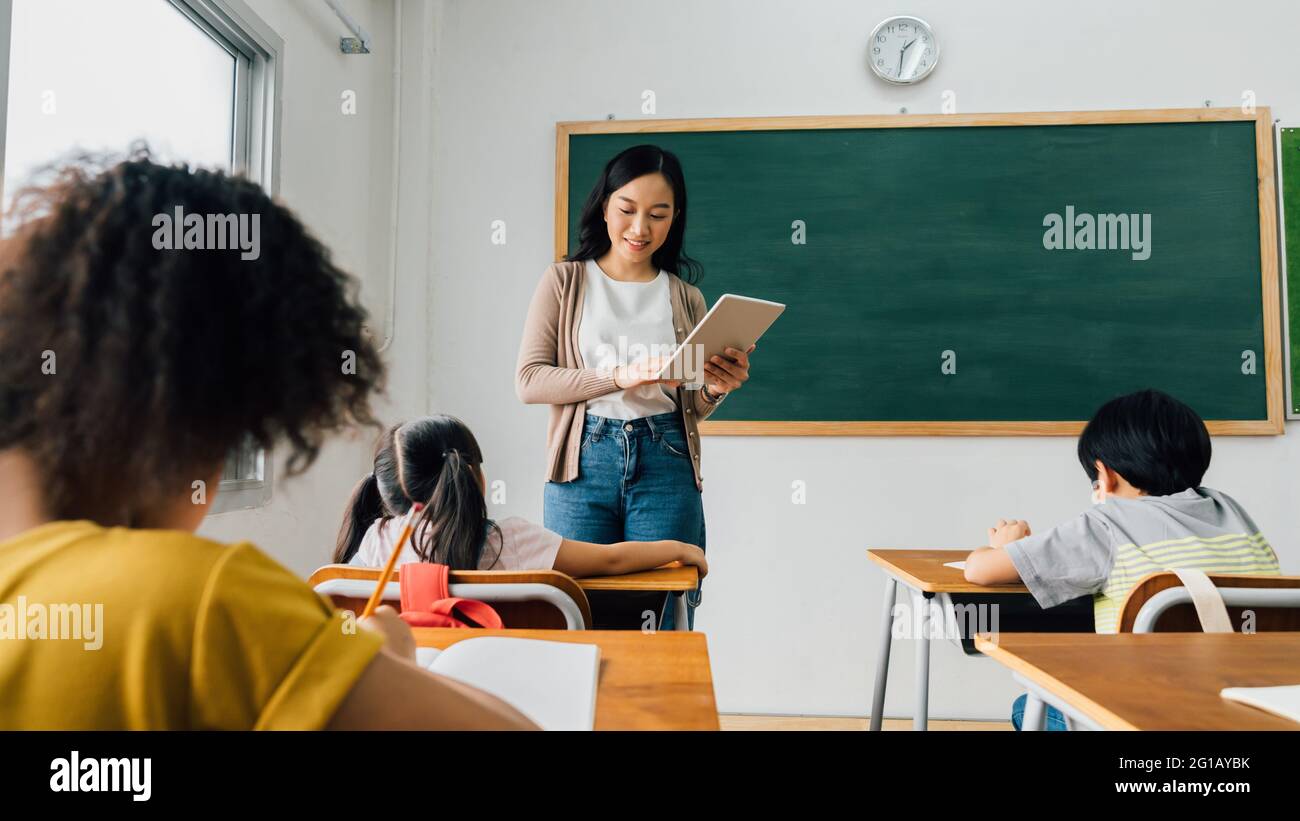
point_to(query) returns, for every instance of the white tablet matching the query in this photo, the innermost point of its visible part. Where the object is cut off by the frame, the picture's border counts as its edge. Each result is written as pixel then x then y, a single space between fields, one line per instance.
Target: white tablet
pixel 732 322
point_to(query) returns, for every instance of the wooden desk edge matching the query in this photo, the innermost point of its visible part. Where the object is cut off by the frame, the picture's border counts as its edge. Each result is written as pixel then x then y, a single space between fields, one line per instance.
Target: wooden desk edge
pixel 1077 700
pixel 932 587
pixel 667 579
pixel 455 634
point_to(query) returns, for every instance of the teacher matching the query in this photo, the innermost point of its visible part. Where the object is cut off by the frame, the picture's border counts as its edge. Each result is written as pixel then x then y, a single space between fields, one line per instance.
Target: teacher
pixel 623 446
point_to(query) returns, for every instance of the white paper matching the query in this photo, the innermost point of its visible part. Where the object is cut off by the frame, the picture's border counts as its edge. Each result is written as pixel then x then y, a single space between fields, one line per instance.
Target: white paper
pixel 551 682
pixel 955 565
pixel 1282 701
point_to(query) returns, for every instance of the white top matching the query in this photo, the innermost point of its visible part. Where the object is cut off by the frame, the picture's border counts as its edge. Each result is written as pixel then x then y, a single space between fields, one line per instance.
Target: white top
pixel 622 322
pixel 522 545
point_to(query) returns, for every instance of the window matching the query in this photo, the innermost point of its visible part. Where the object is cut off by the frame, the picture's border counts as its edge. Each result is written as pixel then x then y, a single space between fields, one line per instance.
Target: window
pixel 197 80
pixel 76 83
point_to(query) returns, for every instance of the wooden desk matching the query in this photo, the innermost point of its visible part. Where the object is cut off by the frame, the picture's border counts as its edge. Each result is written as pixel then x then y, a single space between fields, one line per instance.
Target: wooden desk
pixel 923 573
pixel 671 579
pixel 648 681
pixel 1150 681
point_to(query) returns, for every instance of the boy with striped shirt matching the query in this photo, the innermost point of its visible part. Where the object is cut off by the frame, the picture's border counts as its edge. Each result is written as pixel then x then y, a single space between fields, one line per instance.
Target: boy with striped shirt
pixel 1145 453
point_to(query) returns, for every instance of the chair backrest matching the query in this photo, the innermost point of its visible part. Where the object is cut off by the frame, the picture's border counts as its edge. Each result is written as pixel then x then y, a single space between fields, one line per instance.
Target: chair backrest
pixel 529 599
pixel 1160 603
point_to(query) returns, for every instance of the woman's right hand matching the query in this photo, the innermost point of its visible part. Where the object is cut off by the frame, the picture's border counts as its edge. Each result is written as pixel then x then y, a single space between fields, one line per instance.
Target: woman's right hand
pixel 644 371
pixel 692 555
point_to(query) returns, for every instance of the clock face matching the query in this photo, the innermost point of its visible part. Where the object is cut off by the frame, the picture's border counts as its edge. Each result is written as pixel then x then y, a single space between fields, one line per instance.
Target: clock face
pixel 903 50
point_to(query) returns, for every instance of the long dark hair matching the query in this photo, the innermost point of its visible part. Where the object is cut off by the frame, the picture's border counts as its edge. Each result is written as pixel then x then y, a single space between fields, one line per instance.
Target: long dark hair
pixel 637 161
pixel 433 460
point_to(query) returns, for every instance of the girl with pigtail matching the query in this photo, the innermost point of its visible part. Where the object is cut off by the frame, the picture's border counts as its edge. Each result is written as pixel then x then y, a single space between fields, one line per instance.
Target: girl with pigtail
pixel 436 461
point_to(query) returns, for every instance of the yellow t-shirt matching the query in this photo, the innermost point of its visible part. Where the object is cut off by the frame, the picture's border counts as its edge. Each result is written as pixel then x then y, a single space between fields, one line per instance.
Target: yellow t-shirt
pixel 112 628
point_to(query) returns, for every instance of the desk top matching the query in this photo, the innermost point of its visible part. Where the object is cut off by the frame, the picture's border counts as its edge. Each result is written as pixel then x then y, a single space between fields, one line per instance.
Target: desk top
pixel 1155 681
pixel 655 681
pixel 924 571
pixel 675 577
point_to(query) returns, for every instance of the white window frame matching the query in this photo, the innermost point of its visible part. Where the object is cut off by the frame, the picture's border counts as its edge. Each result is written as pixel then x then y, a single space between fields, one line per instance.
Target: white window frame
pixel 255 153
pixel 6 36
pixel 255 147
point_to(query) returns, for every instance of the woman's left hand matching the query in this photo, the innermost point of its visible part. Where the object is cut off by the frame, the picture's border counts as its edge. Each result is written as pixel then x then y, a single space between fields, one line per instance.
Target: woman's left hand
pixel 727 373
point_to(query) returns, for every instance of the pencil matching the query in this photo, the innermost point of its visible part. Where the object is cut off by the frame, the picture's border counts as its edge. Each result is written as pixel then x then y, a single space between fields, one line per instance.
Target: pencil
pixel 378 595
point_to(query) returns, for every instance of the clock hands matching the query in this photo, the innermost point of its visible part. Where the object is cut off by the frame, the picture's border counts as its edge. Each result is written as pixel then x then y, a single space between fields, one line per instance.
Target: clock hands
pixel 901 52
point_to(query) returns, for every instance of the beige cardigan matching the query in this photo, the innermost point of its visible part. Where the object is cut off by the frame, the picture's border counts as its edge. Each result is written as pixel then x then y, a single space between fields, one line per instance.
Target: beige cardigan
pixel 550 370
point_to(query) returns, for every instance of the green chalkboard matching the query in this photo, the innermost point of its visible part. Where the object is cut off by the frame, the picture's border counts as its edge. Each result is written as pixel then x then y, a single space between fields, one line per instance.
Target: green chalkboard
pixel 922 296
pixel 1289 163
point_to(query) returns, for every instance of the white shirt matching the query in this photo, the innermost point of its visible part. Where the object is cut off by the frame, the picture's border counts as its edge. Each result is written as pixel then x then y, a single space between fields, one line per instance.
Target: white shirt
pixel 622 322
pixel 522 545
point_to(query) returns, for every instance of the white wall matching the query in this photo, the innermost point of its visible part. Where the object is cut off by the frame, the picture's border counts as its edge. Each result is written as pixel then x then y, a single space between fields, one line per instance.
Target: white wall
pixel 335 173
pixel 792 605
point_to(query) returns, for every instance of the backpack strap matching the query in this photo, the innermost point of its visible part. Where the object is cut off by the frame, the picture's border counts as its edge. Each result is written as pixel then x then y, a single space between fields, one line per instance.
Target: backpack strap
pixel 1207 600
pixel 465 613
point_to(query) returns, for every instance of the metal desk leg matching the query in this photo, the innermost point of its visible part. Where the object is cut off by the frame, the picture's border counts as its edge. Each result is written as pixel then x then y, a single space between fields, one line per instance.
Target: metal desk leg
pixel 1035 713
pixel 921 719
pixel 1074 720
pixel 683 617
pixel 882 660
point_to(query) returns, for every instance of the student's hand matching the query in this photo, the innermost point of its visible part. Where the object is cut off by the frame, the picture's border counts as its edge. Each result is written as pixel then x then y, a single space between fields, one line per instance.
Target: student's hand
pixel 398 638
pixel 644 371
pixel 692 555
pixel 1008 531
pixel 725 374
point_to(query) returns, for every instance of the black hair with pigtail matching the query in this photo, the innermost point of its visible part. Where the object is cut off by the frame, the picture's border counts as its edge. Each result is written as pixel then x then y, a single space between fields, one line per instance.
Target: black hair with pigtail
pixel 434 460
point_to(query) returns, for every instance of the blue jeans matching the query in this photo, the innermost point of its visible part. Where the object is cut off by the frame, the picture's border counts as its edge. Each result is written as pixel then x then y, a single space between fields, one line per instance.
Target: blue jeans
pixel 1054 720
pixel 635 483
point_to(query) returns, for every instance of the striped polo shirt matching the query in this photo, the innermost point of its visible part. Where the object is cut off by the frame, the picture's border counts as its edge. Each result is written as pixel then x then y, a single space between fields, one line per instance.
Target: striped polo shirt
pixel 1106 550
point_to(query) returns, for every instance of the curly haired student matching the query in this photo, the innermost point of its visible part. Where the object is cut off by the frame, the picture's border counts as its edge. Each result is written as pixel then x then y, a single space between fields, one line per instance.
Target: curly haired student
pixel 127 373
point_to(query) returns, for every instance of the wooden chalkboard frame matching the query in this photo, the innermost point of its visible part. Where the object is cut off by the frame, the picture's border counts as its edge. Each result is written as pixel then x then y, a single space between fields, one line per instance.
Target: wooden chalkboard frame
pixel 1287 274
pixel 1274 424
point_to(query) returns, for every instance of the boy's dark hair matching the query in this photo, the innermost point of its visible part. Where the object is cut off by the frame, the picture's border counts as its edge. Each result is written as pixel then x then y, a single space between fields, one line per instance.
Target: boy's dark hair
pixel 126 371
pixel 1158 444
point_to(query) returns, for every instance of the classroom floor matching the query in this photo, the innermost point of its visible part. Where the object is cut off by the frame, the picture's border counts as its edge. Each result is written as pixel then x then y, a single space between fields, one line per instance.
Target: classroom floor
pixel 752 722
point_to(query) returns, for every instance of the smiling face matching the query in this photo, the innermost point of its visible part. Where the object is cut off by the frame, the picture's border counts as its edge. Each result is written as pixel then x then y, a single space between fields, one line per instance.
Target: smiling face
pixel 639 216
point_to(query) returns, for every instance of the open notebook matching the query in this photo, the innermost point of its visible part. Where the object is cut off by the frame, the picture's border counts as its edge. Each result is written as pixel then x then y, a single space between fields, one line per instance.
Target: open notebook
pixel 1283 701
pixel 551 682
